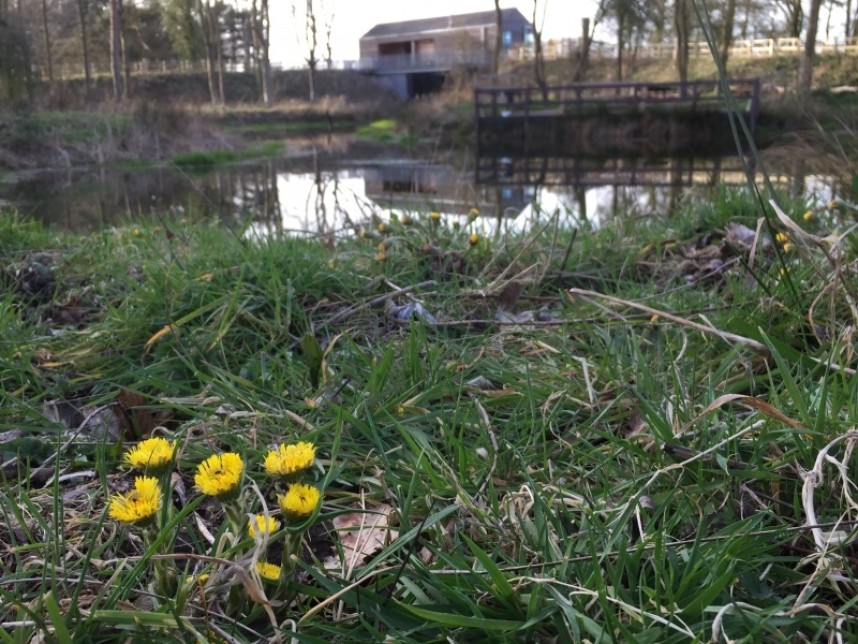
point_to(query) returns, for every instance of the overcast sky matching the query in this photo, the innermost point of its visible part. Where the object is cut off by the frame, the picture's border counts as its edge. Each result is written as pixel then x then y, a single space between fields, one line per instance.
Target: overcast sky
pixel 353 18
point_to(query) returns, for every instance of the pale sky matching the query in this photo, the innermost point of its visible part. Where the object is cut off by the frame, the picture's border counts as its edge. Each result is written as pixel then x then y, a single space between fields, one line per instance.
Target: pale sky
pixel 353 18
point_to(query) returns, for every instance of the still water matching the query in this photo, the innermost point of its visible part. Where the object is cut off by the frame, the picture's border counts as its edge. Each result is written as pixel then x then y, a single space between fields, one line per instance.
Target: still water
pixel 332 194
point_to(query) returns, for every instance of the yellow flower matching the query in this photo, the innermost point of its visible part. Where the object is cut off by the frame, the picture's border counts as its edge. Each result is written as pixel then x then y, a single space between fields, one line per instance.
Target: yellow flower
pixel 153 454
pixel 136 231
pixel 435 215
pixel 781 238
pixel 474 239
pixel 299 501
pixel 382 228
pixel 808 215
pixel 788 247
pixel 219 475
pixel 262 524
pixel 406 220
pixel 474 213
pixel 290 459
pixel 140 505
pixel 268 571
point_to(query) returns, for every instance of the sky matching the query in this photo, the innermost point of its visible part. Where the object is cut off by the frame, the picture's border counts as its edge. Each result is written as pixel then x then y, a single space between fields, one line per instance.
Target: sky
pixel 353 18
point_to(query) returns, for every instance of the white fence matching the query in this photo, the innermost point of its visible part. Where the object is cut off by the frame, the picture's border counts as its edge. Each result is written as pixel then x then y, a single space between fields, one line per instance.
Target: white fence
pixel 758 48
pixel 552 50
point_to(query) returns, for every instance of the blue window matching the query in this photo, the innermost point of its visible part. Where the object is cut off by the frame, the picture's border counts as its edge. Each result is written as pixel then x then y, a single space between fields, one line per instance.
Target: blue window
pixel 507 38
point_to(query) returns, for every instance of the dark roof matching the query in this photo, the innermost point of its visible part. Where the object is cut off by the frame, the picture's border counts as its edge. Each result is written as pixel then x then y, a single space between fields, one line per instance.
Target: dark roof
pixel 461 21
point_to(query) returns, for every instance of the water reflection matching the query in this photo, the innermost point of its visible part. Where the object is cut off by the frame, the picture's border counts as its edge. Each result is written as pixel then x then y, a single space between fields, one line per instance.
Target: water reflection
pixel 322 194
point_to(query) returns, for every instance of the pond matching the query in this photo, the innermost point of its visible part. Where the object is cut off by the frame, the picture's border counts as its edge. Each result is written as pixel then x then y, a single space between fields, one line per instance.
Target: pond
pixel 330 193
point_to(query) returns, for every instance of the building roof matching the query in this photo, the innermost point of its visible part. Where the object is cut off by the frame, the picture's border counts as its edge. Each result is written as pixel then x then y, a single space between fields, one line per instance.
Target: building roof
pixel 439 23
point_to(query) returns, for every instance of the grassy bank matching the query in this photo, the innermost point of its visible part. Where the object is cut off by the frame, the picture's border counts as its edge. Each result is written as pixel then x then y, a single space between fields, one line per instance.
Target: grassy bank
pixel 546 436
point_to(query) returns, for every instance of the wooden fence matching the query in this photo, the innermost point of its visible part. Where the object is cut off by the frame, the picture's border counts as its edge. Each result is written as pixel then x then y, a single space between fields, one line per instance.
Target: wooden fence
pixel 757 48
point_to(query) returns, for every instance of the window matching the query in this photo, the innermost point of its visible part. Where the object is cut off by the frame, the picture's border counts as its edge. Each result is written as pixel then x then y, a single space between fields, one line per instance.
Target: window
pixel 507 38
pixel 528 35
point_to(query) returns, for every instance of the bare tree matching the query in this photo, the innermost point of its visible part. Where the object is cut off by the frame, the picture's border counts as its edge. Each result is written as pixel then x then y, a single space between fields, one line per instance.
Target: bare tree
pixel 794 14
pixel 681 23
pixel 329 27
pixel 498 38
pixel 47 34
pixel 727 40
pixel 261 26
pixel 210 30
pixel 82 12
pixel 116 48
pixel 806 79
pixel 538 58
pixel 311 33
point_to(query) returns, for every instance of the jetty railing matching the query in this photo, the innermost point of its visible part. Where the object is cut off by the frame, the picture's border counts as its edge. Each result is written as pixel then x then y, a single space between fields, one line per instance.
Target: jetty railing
pixel 586 98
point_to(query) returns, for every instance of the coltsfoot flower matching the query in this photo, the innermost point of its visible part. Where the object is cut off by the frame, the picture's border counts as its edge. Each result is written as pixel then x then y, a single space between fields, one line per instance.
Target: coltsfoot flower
pixel 262 525
pixel 808 215
pixel 299 501
pixel 138 506
pixel 435 215
pixel 474 239
pixel 220 475
pixel 781 238
pixel 153 454
pixel 287 460
pixel 268 571
pixel 474 213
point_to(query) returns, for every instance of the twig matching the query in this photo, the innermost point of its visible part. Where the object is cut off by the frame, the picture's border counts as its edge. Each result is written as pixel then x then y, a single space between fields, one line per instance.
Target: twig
pixel 724 335
pixel 347 313
pixel 41 470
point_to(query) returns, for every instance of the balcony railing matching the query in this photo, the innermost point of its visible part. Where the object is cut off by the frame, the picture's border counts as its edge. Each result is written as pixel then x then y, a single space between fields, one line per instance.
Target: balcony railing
pixel 439 61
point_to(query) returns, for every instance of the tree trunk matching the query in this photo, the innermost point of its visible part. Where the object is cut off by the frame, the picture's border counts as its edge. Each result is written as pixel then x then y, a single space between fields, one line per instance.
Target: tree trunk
pixel 498 38
pixel 257 45
pixel 116 49
pixel 681 24
pixel 267 91
pixel 806 79
pixel 584 51
pixel 621 32
pixel 261 38
pixel 83 10
pixel 205 11
pixel 312 42
pixel 47 34
pixel 221 69
pixel 727 41
pixel 538 58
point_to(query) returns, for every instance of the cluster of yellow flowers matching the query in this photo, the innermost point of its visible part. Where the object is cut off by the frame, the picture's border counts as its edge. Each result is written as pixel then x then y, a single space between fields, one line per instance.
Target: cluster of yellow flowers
pixel 220 476
pixel 784 241
pixel 393 234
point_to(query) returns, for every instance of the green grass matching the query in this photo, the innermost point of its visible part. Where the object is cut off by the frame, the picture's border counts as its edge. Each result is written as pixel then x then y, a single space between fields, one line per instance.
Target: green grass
pixel 66 127
pixel 381 131
pixel 201 160
pixel 582 479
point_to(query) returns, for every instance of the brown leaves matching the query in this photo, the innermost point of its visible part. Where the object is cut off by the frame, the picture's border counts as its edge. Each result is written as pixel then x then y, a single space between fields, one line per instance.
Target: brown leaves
pixel 361 535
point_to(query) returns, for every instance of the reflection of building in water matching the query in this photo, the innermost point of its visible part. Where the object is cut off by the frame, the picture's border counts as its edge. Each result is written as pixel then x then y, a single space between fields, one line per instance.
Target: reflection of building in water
pixel 420 187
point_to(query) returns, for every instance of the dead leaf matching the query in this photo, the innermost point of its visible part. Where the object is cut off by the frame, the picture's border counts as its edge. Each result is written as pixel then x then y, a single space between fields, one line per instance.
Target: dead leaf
pixel 364 533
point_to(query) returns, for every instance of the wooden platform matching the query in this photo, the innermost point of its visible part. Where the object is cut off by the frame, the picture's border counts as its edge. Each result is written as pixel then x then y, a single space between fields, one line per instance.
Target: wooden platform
pixel 573 117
